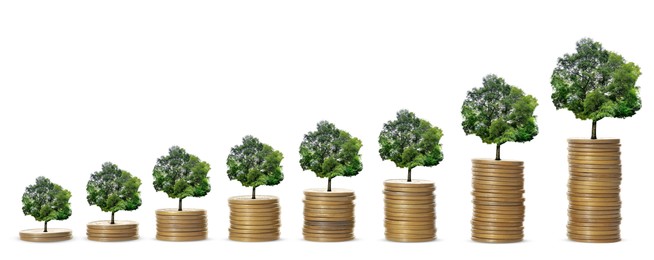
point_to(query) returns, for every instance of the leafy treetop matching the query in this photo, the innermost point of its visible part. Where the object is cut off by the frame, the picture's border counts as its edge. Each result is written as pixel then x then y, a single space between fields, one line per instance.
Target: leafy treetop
pixel 180 175
pixel 254 164
pixel 409 141
pixel 113 189
pixel 46 201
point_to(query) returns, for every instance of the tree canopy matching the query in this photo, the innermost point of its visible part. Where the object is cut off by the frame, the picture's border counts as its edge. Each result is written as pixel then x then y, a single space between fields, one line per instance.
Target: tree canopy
pixel 46 201
pixel 113 189
pixel 330 152
pixel 254 164
pixel 499 113
pixel 595 83
pixel 409 141
pixel 180 175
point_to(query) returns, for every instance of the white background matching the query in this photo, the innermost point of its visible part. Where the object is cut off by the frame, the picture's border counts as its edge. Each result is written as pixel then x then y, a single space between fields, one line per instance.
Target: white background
pixel 84 82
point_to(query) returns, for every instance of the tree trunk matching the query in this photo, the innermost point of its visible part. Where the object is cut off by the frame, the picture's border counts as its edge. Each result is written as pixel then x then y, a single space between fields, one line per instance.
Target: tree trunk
pixel 112 218
pixel 497 152
pixel 45 227
pixel 408 179
pixel 253 192
pixel 329 184
pixel 180 205
pixel 594 133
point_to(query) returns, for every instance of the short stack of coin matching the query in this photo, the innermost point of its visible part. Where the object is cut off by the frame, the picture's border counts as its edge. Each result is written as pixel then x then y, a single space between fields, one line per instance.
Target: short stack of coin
pixel 254 220
pixel 185 225
pixel 53 235
pixel 121 230
pixel 499 209
pixel 594 190
pixel 409 210
pixel 328 216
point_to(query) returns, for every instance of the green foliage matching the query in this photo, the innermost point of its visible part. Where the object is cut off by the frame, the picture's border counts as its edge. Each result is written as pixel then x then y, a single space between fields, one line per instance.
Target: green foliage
pixel 499 113
pixel 180 174
pixel 595 83
pixel 409 141
pixel 46 201
pixel 254 163
pixel 330 152
pixel 113 189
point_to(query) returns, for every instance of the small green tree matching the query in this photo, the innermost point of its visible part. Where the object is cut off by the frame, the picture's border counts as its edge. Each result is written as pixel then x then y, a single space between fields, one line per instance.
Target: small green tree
pixel 46 201
pixel 330 152
pixel 254 164
pixel 180 175
pixel 499 113
pixel 595 83
pixel 409 142
pixel 113 189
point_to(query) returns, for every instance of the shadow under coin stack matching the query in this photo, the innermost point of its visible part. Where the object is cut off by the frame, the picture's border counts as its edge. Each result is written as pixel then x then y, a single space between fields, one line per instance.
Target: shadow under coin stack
pixel 594 190
pixel 53 235
pixel 328 216
pixel 409 210
pixel 254 220
pixel 185 225
pixel 499 209
pixel 121 230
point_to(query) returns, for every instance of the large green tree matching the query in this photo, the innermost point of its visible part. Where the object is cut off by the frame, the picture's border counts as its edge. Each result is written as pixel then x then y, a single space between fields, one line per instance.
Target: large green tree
pixel 499 113
pixel 254 164
pixel 180 175
pixel 330 152
pixel 409 141
pixel 46 201
pixel 595 83
pixel 113 189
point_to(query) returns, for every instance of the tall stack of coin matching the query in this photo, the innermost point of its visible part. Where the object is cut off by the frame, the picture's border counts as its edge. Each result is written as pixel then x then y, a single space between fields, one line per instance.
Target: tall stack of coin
pixel 328 216
pixel 499 208
pixel 53 235
pixel 254 220
pixel 104 231
pixel 409 210
pixel 185 225
pixel 594 190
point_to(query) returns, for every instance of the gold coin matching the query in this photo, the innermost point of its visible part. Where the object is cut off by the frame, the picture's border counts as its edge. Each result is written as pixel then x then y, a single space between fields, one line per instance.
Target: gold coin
pixel 112 239
pixel 496 224
pixel 501 208
pixel 329 199
pixel 399 231
pixel 46 239
pixel 110 235
pixel 594 157
pixel 112 231
pixel 409 195
pixel 328 211
pixel 595 154
pixel 311 205
pixel 320 239
pixel 243 239
pixel 596 240
pixel 592 195
pixel 191 221
pixel 180 239
pixel 329 215
pixel 255 228
pixel 498 220
pixel 607 180
pixel 409 240
pixel 402 183
pixel 52 233
pixel 478 232
pixel 593 224
pixel 508 172
pixel 254 206
pixel 316 192
pixel 614 167
pixel 263 210
pixel 500 212
pixel 415 198
pixel 412 219
pixel 496 188
pixel 595 183
pixel 183 226
pixel 594 141
pixel 322 202
pixel 486 240
pixel 499 236
pixel 596 150
pixel 601 147
pixel 576 170
pixel 596 162
pixel 411 211
pixel 253 231
pixel 573 227
pixel 174 230
pixel 497 162
pixel 408 223
pixel 497 203
pixel 594 220
pixel 594 212
pixel 332 236
pixel 328 219
pixel 594 237
pixel 119 224
pixel 586 199
pixel 496 228
pixel 596 175
pixel 514 192
pixel 428 190
pixel 594 216
pixel 175 212
pixel 247 200
pixel 338 229
pixel 392 215
pixel 409 236
pixel 265 214
pixel 254 222
pixel 511 180
pixel 414 206
pixel 515 185
pixel 392 202
pixel 321 231
pixel 410 227
pixel 182 234
pixel 258 235
pixel 498 199
pixel 518 217
pixel 249 218
pixel 497 195
pixel 182 218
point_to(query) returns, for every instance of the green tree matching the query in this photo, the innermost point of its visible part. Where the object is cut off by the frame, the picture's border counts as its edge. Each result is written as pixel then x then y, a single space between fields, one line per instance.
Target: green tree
pixel 254 164
pixel 595 83
pixel 409 142
pixel 46 201
pixel 330 152
pixel 180 175
pixel 113 189
pixel 499 113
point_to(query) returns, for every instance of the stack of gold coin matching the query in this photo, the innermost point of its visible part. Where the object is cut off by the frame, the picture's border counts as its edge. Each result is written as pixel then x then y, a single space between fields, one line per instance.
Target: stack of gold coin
pixel 254 220
pixel 594 190
pixel 499 208
pixel 328 216
pixel 53 235
pixel 409 210
pixel 121 230
pixel 185 225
